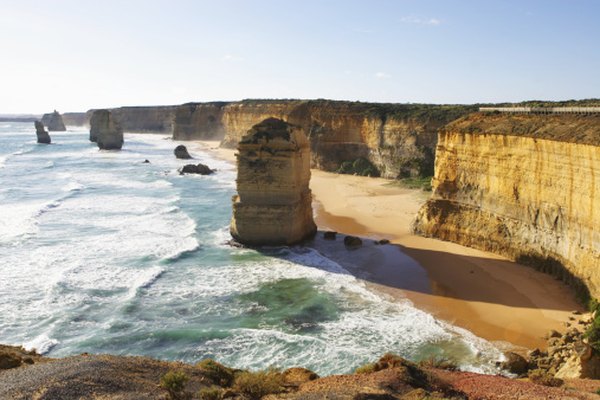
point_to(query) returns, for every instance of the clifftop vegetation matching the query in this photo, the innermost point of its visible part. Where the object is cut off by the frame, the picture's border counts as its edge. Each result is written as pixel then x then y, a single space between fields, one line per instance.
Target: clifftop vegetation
pixel 572 128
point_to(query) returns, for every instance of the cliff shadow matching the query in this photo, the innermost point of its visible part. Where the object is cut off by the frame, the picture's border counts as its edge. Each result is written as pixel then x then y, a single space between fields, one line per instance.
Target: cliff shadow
pixel 401 271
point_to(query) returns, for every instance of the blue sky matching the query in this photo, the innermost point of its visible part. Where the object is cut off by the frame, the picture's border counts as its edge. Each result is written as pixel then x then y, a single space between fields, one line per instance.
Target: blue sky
pixel 75 55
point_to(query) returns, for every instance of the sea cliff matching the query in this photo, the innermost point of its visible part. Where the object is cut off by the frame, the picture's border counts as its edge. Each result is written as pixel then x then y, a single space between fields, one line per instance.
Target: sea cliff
pixel 76 119
pixel 146 119
pixel 399 139
pixel 523 186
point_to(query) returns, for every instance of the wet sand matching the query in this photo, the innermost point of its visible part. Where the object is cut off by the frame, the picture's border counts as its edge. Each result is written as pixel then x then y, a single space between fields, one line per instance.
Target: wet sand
pixel 494 298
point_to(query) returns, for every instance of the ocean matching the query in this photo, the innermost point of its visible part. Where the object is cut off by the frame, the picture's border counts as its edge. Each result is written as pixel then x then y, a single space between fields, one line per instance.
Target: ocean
pixel 103 253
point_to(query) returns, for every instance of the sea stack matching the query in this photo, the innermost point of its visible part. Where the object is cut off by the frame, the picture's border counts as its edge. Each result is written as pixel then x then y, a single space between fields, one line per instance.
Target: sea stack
pixel 42 135
pixel 54 122
pixel 105 131
pixel 273 204
pixel 182 153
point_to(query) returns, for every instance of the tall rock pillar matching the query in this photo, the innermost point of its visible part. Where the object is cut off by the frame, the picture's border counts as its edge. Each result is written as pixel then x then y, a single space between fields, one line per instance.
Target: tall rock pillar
pixel 42 135
pixel 273 204
pixel 105 131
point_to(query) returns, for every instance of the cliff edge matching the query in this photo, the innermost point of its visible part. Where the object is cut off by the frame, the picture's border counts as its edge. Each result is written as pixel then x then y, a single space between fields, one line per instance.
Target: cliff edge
pixel 523 186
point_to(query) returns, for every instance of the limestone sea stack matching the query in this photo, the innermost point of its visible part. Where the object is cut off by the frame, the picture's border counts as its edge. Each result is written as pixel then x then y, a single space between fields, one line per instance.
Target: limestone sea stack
pixel 54 122
pixel 42 135
pixel 182 152
pixel 273 204
pixel 105 131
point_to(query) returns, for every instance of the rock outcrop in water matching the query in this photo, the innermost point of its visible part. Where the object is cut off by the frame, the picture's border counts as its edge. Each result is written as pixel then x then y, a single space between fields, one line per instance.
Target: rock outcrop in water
pixel 523 186
pixel 105 131
pixel 273 204
pixel 201 169
pixel 54 122
pixel 181 152
pixel 42 135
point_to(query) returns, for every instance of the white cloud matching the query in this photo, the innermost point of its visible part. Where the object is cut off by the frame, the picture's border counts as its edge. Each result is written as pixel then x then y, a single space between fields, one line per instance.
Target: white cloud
pixel 382 75
pixel 412 19
pixel 231 57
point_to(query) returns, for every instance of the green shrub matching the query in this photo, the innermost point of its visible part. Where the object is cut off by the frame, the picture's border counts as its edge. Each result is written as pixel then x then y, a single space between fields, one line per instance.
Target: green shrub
pixel 361 166
pixel 423 183
pixel 218 373
pixel 211 393
pixel 258 384
pixel 174 383
pixel 593 333
pixel 439 363
pixel 366 369
pixel 345 168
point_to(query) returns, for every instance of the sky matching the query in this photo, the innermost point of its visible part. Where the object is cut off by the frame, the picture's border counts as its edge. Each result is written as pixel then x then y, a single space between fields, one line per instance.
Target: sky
pixel 79 54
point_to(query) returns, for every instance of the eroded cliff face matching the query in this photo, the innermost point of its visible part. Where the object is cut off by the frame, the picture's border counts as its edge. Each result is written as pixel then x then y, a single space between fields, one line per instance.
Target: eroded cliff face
pixel 273 204
pixel 54 122
pixel 76 119
pixel 524 187
pixel 198 121
pixel 144 119
pixel 399 139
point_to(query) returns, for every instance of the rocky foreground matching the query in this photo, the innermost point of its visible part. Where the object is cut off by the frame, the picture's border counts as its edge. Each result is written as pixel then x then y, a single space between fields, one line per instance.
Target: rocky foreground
pixel 26 375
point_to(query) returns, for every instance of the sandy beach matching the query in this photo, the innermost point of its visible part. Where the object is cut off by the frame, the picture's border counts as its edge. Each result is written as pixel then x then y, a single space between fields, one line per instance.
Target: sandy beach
pixel 499 300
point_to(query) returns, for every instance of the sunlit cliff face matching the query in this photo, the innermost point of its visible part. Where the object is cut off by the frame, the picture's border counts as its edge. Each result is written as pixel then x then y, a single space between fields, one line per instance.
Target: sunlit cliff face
pixel 531 199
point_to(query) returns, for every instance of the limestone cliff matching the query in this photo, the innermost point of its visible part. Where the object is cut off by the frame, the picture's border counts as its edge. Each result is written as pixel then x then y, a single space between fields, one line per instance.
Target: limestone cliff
pixel 54 122
pixel 105 131
pixel 399 139
pixel 199 121
pixel 76 119
pixel 523 186
pixel 273 204
pixel 144 119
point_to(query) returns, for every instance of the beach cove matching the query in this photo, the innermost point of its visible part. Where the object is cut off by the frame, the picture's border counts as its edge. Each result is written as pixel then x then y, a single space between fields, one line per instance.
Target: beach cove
pixel 509 304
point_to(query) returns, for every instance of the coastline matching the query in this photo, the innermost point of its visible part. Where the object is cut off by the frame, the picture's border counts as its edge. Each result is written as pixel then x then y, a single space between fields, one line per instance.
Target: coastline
pixel 499 300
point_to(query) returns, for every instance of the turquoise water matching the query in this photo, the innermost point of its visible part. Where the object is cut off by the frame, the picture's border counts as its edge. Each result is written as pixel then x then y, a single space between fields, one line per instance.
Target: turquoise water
pixel 102 253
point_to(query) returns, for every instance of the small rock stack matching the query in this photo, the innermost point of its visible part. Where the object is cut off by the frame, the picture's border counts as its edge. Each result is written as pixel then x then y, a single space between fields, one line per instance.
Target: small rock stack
pixel 105 131
pixel 42 135
pixel 273 204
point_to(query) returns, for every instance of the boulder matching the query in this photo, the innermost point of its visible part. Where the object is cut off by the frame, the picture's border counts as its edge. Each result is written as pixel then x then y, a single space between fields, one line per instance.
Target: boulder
pixel 273 202
pixel 196 169
pixel 14 357
pixel 42 135
pixel 515 363
pixel 329 235
pixel 105 131
pixel 182 153
pixel 54 122
pixel 352 242
pixel 582 363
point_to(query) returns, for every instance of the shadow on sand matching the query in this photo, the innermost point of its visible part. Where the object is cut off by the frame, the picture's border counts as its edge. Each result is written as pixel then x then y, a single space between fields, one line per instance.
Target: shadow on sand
pixel 467 278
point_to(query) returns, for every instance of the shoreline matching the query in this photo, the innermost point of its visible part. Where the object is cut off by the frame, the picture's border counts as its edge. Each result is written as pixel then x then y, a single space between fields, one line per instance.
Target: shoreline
pixel 511 305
